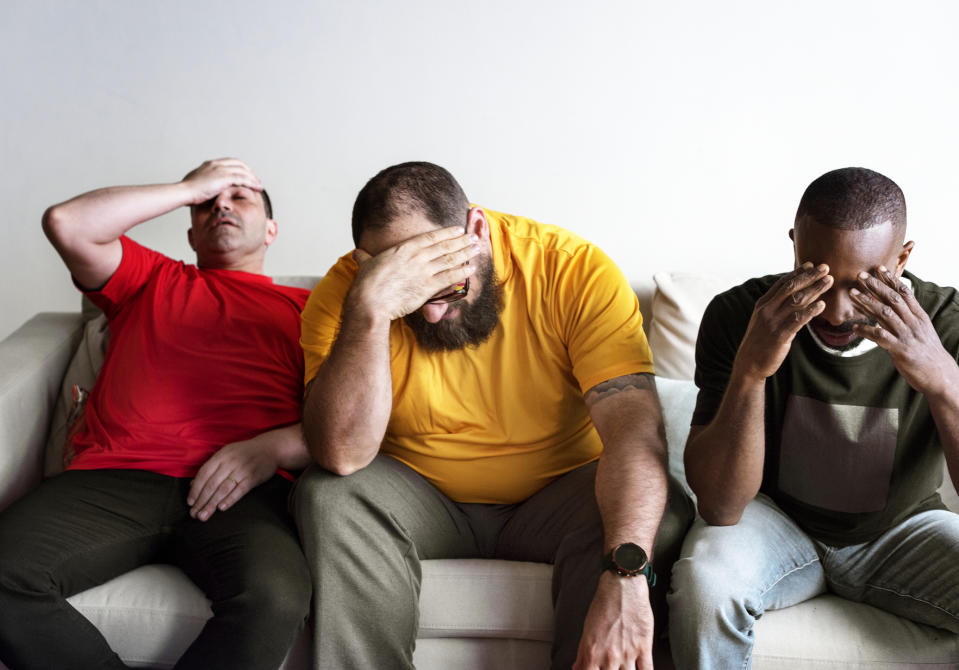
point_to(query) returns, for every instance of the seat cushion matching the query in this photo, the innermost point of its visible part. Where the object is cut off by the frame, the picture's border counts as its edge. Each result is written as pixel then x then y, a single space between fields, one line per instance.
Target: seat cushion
pixel 481 598
pixel 150 615
pixel 829 633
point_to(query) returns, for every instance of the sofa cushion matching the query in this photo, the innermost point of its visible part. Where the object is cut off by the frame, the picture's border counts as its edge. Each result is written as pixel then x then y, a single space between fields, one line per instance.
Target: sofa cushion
pixel 508 599
pixel 679 301
pixel 830 633
pixel 677 398
pixel 81 371
pixel 149 615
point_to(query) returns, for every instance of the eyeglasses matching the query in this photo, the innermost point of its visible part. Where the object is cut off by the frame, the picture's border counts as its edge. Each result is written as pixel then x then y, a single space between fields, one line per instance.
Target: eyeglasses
pixel 455 292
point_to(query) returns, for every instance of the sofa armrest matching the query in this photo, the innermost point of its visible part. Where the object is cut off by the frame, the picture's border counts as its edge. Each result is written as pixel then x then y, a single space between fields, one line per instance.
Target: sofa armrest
pixel 32 363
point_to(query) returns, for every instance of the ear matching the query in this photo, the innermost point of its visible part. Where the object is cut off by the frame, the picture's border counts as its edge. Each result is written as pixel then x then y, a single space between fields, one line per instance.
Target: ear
pixel 477 224
pixel 903 257
pixel 272 230
pixel 189 237
pixel 792 238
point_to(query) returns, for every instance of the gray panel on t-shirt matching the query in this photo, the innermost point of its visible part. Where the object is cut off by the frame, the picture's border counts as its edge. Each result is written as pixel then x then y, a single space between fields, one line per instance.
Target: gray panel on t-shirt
pixel 838 457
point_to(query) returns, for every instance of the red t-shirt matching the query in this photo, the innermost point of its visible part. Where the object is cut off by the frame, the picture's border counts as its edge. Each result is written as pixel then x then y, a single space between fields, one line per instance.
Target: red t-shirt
pixel 197 359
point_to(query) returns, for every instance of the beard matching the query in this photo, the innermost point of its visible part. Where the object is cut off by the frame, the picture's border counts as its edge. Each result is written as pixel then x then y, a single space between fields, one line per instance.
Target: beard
pixel 474 325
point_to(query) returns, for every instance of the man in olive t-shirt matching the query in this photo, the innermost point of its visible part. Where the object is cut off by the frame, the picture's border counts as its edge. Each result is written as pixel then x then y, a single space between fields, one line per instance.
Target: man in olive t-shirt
pixel 827 398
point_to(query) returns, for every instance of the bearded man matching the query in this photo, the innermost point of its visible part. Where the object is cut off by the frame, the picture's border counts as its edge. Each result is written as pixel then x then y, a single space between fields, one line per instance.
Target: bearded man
pixel 479 385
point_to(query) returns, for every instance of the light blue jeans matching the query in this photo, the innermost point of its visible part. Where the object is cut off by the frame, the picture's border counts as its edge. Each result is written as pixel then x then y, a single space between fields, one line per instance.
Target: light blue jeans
pixel 727 576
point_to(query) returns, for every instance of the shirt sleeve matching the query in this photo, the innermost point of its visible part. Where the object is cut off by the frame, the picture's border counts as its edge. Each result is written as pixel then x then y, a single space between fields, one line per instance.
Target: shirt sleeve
pixel 721 331
pixel 321 317
pixel 136 267
pixel 600 319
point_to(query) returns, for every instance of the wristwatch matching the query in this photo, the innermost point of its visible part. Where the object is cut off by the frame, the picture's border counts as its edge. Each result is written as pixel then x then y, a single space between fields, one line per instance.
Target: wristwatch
pixel 629 560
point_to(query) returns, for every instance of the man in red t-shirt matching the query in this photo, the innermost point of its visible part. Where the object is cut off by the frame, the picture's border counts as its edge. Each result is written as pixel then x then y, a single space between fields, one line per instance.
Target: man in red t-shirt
pixel 187 434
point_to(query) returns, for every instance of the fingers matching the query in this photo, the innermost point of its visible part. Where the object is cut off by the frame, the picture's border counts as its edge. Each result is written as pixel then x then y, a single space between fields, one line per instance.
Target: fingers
pixel 802 286
pixel 422 265
pixel 360 256
pixel 886 298
pixel 214 489
pixel 793 301
pixel 214 176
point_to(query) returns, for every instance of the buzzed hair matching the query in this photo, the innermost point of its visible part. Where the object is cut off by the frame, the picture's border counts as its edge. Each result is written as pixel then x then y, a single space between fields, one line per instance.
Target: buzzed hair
pixel 267 204
pixel 409 188
pixel 852 198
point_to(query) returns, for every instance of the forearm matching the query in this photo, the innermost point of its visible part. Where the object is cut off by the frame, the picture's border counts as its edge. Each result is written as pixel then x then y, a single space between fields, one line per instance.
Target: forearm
pixel 631 485
pixel 631 490
pixel 349 401
pixel 724 460
pixel 103 215
pixel 288 447
pixel 86 229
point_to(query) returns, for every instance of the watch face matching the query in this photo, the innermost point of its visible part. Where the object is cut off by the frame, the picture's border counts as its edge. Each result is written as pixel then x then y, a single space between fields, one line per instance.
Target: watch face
pixel 629 557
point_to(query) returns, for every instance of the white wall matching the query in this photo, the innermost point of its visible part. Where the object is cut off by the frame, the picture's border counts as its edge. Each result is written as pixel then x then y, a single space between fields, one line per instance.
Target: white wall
pixel 678 136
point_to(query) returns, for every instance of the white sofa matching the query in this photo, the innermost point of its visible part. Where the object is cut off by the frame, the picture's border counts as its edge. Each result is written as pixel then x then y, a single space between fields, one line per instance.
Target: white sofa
pixel 475 614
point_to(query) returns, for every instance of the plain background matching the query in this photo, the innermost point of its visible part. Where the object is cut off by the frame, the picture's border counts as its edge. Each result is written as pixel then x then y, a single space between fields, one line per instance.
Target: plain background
pixel 678 136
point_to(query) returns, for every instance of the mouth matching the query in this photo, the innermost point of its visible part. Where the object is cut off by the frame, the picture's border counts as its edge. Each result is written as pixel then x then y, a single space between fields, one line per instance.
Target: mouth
pixel 451 313
pixel 835 336
pixel 224 220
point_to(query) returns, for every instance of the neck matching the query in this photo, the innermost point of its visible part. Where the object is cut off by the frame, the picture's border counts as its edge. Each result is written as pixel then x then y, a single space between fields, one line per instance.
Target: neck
pixel 251 265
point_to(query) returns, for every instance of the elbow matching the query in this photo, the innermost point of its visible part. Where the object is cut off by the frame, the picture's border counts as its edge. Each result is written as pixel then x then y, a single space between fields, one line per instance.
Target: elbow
pixel 713 518
pixel 719 515
pixel 52 222
pixel 336 454
pixel 341 465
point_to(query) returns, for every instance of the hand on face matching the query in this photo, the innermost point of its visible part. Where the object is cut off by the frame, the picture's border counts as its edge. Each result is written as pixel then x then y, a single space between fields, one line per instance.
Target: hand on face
pixel 400 279
pixel 903 329
pixel 215 176
pixel 785 308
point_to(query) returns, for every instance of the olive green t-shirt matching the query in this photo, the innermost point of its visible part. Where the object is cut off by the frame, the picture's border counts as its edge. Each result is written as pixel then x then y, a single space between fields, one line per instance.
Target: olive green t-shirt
pixel 851 448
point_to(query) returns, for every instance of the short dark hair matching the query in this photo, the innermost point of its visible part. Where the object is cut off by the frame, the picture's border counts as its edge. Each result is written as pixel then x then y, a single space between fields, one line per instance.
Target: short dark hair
pixel 852 198
pixel 267 204
pixel 415 187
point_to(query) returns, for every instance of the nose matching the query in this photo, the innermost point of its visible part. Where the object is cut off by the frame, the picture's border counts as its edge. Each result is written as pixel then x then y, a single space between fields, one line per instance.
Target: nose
pixel 434 312
pixel 222 202
pixel 839 307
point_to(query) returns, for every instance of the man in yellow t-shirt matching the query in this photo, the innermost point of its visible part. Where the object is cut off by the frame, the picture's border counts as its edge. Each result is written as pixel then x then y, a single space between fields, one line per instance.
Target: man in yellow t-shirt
pixel 485 383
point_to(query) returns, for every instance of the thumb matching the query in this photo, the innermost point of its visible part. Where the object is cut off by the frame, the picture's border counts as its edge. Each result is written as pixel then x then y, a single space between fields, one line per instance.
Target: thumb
pixel 361 256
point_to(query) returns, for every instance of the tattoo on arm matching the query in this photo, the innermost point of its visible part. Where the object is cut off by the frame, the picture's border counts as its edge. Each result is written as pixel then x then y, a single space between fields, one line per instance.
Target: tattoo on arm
pixel 642 381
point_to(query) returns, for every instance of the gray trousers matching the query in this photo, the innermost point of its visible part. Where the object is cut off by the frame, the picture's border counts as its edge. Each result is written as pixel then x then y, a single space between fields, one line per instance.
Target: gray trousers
pixel 365 534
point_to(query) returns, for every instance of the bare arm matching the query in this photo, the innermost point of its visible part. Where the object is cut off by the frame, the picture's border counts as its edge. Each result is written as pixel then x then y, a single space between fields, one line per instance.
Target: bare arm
pixel 904 330
pixel 724 460
pixel 86 229
pixel 239 467
pixel 348 402
pixel 631 493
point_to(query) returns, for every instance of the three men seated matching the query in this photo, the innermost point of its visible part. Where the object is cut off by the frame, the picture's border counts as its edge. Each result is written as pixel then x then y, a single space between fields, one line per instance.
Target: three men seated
pixel 478 384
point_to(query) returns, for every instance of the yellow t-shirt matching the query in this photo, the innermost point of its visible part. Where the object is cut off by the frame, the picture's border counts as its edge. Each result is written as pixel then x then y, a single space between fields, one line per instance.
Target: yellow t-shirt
pixel 496 423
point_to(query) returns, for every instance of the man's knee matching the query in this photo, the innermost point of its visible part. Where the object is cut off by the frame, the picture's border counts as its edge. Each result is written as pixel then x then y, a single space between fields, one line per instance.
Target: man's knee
pixel 281 597
pixel 326 505
pixel 320 493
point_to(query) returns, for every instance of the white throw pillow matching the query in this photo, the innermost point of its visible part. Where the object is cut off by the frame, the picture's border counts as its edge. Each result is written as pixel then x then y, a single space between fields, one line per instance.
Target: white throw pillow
pixel 678 305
